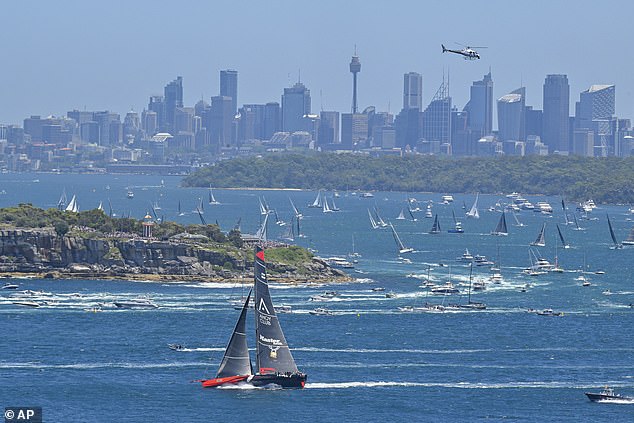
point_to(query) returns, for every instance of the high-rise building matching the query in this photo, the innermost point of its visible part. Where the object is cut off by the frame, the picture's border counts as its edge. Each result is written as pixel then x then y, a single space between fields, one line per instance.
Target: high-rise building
pixel 355 68
pixel 354 130
pixel 412 91
pixel 173 100
pixel 272 120
pixel 437 117
pixel 251 123
pixel 295 104
pixel 480 106
pixel 220 122
pixel 597 102
pixel 229 87
pixel 511 124
pixel 556 113
pixel 157 105
pixel 328 128
pixel 533 121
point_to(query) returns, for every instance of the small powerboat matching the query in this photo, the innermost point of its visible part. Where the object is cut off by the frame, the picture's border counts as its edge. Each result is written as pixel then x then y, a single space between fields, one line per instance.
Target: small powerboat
pixel 607 395
pixel 176 347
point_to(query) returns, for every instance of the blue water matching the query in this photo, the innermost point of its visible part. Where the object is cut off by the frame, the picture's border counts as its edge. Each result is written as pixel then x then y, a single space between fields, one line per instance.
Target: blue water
pixel 369 361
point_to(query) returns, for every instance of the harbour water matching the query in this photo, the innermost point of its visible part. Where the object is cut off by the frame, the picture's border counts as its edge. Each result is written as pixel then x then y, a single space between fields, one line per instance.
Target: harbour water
pixel 369 361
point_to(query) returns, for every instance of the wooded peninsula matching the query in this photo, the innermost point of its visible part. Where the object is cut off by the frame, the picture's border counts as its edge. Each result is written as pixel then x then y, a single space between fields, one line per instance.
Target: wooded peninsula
pixel 605 180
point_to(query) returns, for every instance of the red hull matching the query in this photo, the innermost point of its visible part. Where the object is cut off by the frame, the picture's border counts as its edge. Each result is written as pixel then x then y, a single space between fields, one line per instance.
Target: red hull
pixel 214 383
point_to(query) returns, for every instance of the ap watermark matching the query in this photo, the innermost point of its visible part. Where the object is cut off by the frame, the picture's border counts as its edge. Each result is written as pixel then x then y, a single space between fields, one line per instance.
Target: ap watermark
pixel 23 415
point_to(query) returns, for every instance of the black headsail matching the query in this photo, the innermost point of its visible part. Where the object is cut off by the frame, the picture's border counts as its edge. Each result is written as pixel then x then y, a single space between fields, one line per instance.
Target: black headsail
pixel 236 361
pixel 272 352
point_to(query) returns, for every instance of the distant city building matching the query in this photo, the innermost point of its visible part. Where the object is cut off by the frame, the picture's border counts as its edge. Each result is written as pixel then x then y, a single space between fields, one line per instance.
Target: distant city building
pixel 149 122
pixel 511 116
pixel 437 117
pixel 409 128
pixel 229 87
pixel 173 99
pixel 183 120
pixel 556 112
pixel 412 91
pixel 354 130
pixel 272 119
pixel 251 124
pixel 131 126
pixel 597 102
pixel 157 105
pixel 328 128
pixel 220 122
pixel 480 106
pixel 533 121
pixel 295 104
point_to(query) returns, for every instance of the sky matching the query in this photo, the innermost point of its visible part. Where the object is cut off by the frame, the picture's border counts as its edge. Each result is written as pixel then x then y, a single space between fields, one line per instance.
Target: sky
pixel 112 55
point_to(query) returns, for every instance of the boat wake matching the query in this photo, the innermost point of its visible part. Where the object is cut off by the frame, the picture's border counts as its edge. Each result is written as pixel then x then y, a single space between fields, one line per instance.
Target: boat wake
pixel 459 385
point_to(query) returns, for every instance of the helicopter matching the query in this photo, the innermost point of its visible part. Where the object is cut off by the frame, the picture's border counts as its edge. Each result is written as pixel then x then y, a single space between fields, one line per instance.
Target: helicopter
pixel 469 53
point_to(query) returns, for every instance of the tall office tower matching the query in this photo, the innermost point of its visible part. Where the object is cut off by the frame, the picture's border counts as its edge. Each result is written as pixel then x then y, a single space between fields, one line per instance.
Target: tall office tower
pixel 480 107
pixel 595 113
pixel 131 126
pixel 149 122
pixel 533 121
pixel 328 128
pixel 173 100
pixel 251 123
pixel 355 68
pixel 183 119
pixel 511 124
pixel 220 122
pixel 437 117
pixel 229 87
pixel 597 102
pixel 157 105
pixel 295 104
pixel 272 119
pixel 412 91
pixel 556 113
pixel 110 128
pixel 354 130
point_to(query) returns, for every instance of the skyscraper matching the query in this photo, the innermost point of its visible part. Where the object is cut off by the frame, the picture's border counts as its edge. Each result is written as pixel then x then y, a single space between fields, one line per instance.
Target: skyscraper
pixel 511 124
pixel 173 99
pixel 480 107
pixel 295 104
pixel 272 119
pixel 412 91
pixel 220 122
pixel 229 87
pixel 437 117
pixel 556 113
pixel 328 128
pixel 597 102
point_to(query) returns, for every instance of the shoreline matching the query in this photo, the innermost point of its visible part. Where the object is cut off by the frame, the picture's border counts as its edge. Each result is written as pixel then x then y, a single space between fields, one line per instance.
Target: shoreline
pixel 156 278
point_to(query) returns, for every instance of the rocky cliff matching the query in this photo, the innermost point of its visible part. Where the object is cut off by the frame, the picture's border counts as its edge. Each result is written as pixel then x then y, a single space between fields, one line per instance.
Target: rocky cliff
pixel 43 251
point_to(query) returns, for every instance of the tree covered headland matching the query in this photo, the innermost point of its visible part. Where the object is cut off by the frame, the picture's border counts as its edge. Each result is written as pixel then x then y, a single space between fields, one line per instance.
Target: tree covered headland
pixel 29 216
pixel 606 180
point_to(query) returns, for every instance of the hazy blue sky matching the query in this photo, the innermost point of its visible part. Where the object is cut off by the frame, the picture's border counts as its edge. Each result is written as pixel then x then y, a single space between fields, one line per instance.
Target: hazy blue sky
pixel 60 55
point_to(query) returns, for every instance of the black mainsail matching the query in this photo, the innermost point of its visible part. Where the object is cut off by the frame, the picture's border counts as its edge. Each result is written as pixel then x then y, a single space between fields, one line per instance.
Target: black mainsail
pixel 561 237
pixel 272 352
pixel 540 241
pixel 616 243
pixel 501 228
pixel 236 360
pixel 435 229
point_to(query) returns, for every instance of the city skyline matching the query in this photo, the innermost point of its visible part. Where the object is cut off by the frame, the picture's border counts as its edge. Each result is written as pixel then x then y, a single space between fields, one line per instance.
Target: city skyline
pixel 119 75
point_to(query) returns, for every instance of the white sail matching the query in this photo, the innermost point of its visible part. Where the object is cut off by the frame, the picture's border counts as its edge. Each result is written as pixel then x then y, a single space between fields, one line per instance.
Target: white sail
pixel 401 215
pixel 401 247
pixel 72 206
pixel 474 209
pixel 372 221
pixel 317 203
